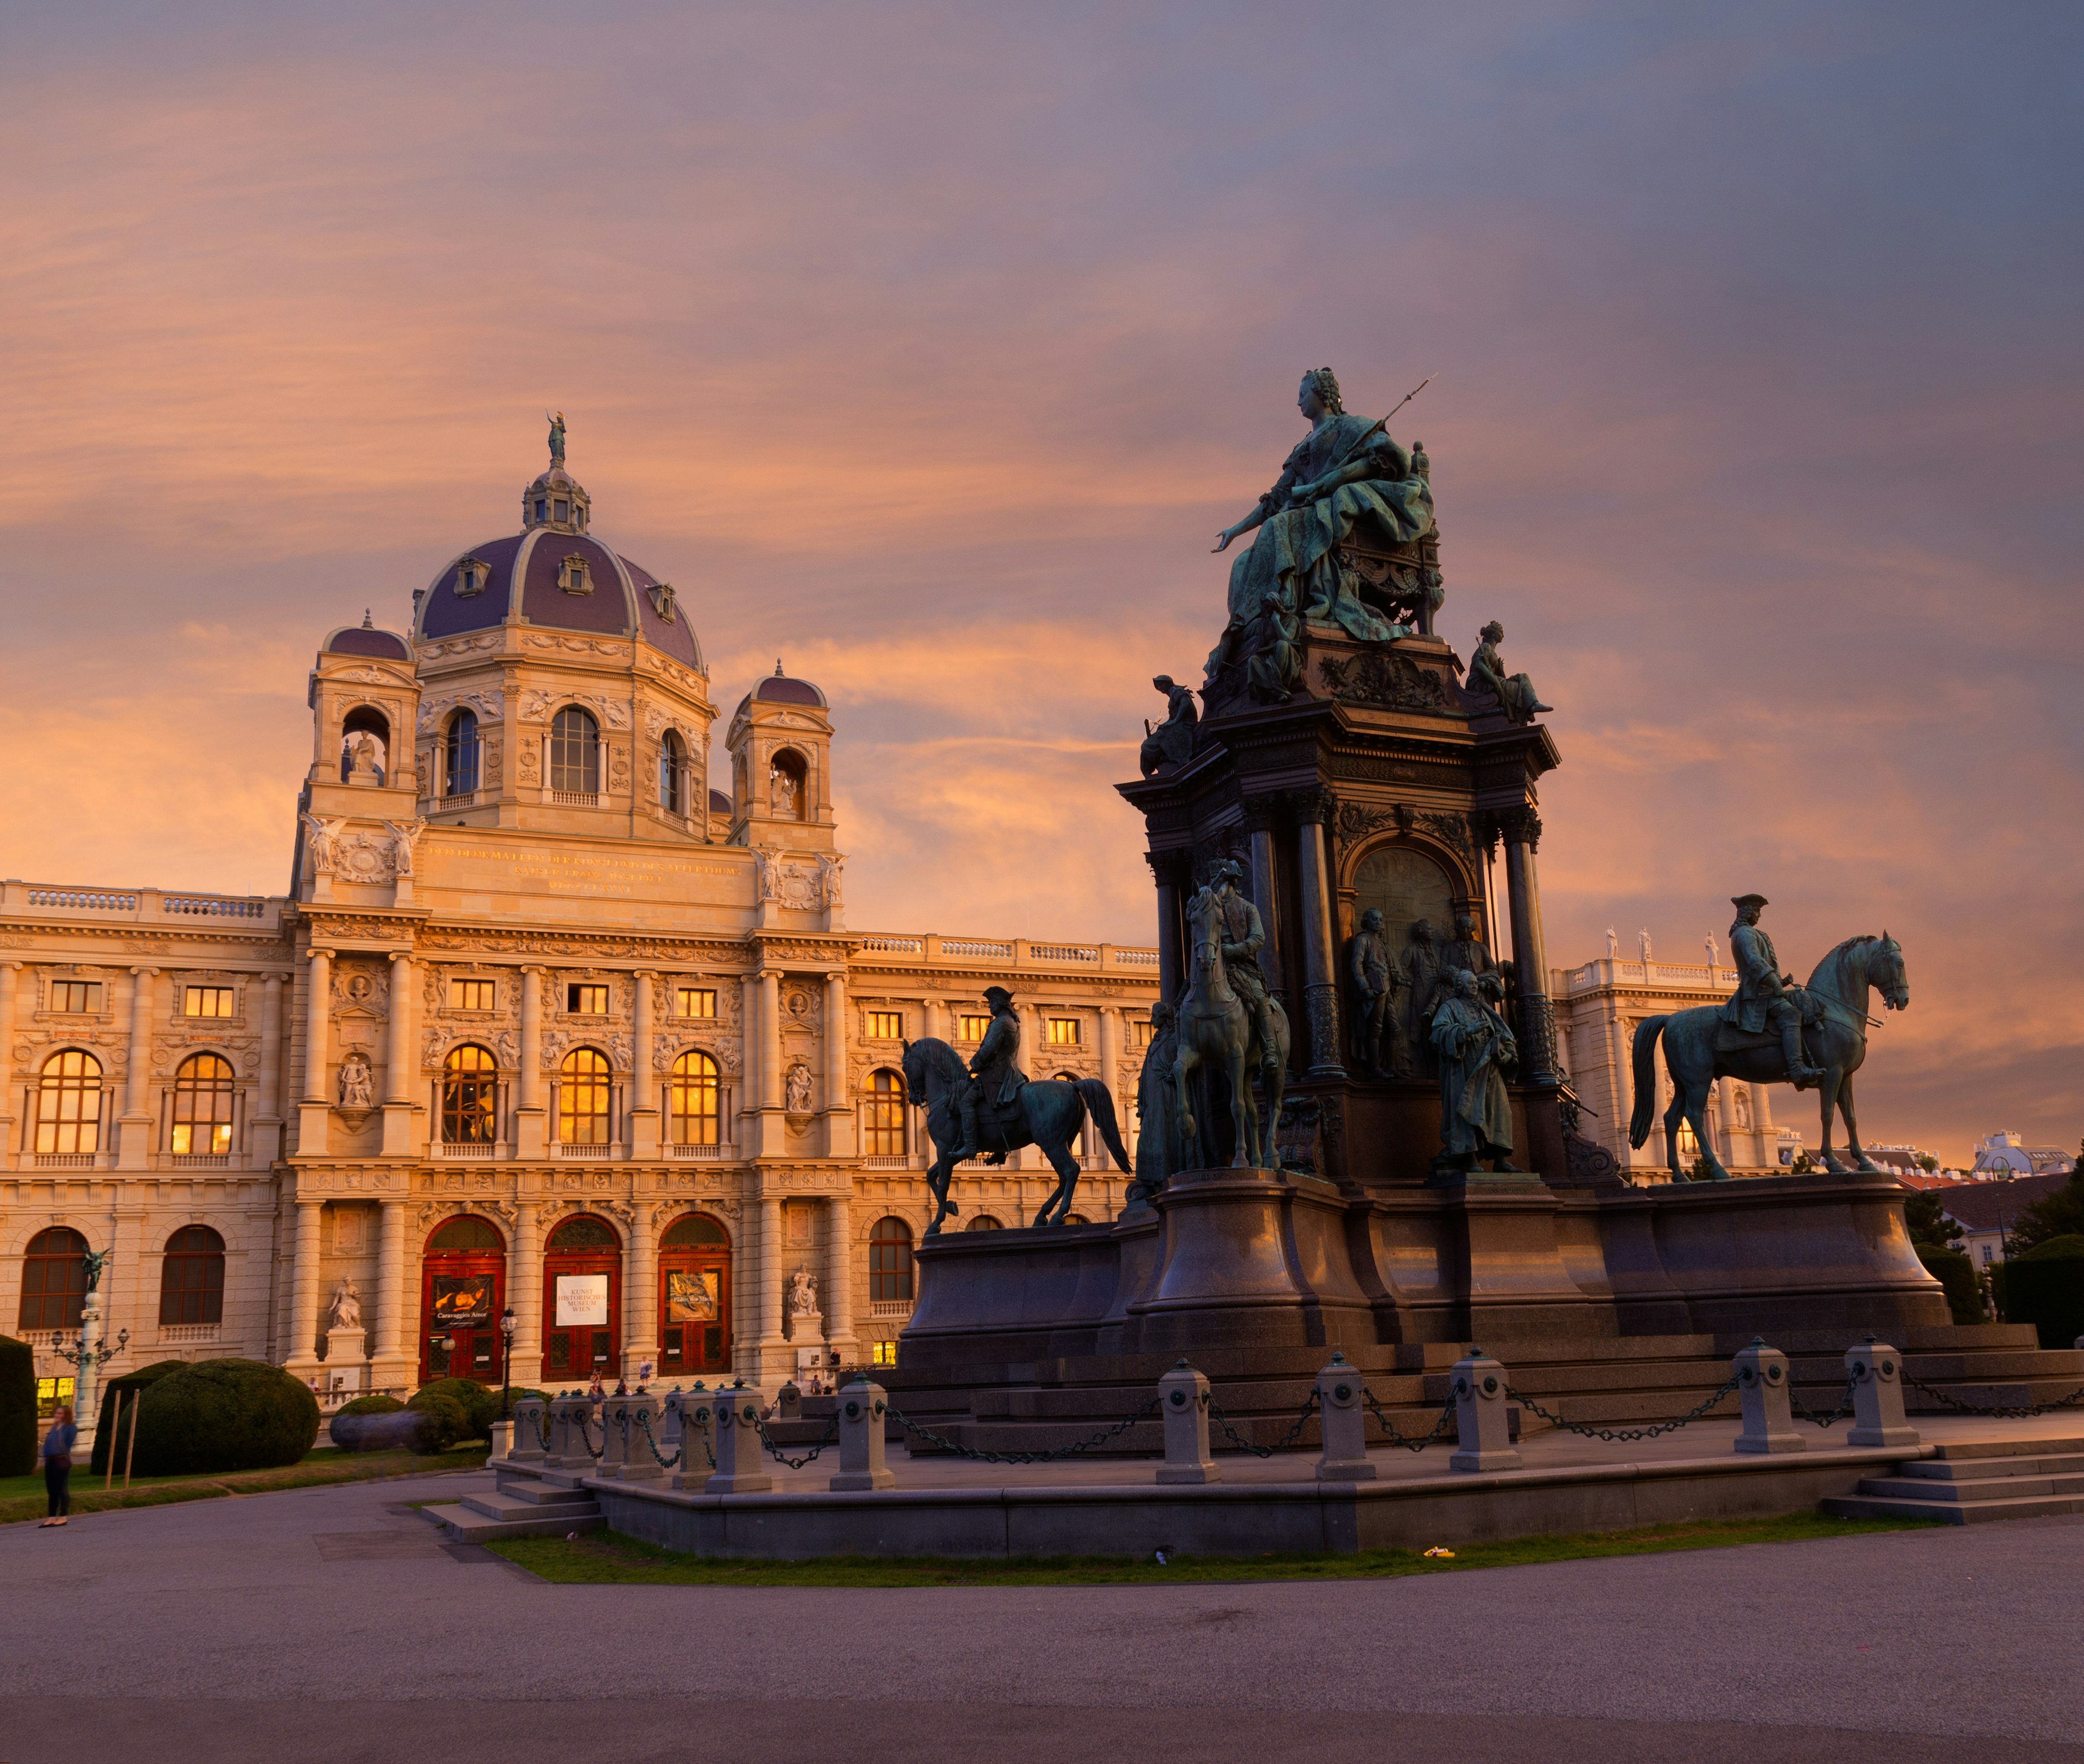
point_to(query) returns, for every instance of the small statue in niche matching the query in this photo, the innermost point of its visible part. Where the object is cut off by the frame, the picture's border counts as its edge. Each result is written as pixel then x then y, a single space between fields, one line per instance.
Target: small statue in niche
pixel 802 1293
pixel 796 1089
pixel 1375 978
pixel 1515 693
pixel 1276 666
pixel 357 1083
pixel 1171 742
pixel 787 802
pixel 346 1312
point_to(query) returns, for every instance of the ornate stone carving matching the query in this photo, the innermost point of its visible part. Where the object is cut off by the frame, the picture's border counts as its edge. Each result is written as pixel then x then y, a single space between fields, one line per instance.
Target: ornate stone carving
pixel 535 706
pixel 1520 826
pixel 1384 680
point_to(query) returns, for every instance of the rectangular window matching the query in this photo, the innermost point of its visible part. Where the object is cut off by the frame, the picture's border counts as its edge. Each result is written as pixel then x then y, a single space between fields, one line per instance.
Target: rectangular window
pixel 471 994
pixel 590 1002
pixel 972 1029
pixel 75 995
pixel 1063 1033
pixel 1139 1032
pixel 206 1002
pixel 885 1352
pixel 886 1025
pixel 53 1393
pixel 694 1002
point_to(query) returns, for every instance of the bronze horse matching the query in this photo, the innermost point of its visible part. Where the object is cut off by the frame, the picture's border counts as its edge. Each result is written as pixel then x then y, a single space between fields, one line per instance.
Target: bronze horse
pixel 1836 1039
pixel 1215 1032
pixel 1050 1113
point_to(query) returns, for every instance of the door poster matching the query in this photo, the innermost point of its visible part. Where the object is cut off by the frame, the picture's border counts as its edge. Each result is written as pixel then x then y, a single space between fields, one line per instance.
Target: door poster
pixel 462 1299
pixel 693 1297
pixel 582 1298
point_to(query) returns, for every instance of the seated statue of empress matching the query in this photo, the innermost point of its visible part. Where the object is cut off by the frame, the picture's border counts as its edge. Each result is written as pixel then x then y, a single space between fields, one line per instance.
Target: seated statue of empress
pixel 1346 475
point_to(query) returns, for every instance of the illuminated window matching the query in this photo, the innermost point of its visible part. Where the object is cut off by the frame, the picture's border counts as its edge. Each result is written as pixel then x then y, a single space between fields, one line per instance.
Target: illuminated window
pixel 575 751
pixel 55 1393
pixel 972 1029
pixel 984 1222
pixel 886 1353
pixel 694 1002
pixel 673 763
pixel 202 1107
pixel 1140 1032
pixel 1063 1031
pixel 1688 1146
pixel 583 1097
pixel 54 1280
pixel 889 1262
pixel 191 1277
pixel 471 994
pixel 470 1090
pixel 206 1002
pixel 886 1025
pixel 886 1115
pixel 461 752
pixel 587 1000
pixel 69 1105
pixel 75 995
pixel 693 1100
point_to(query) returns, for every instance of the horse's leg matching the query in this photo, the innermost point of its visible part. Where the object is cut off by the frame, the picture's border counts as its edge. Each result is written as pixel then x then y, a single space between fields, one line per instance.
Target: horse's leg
pixel 1827 1101
pixel 1861 1160
pixel 1697 1113
pixel 1182 1066
pixel 1058 1151
pixel 1244 1113
pixel 1672 1116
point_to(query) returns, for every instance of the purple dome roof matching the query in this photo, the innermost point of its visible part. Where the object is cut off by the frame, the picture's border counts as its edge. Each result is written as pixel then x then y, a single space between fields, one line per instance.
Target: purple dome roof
pixel 365 640
pixel 778 688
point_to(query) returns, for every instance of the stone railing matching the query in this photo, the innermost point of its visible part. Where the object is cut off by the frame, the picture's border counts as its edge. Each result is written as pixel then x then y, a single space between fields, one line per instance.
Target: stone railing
pixel 143 905
pixel 1012 955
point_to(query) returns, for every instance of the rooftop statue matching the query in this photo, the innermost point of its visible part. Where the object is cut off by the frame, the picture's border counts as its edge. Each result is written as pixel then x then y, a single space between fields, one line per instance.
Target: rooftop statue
pixel 1347 475
pixel 1171 742
pixel 557 440
pixel 1514 693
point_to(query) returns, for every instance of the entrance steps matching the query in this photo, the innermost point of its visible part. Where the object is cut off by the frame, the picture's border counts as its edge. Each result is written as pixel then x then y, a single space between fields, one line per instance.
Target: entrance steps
pixel 523 1503
pixel 1969 1483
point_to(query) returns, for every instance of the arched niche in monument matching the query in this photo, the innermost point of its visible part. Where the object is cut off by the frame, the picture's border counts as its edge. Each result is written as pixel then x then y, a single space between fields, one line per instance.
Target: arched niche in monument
pixel 1405 884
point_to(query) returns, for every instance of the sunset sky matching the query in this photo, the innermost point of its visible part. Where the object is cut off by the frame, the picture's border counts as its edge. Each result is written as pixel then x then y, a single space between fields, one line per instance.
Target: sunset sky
pixel 927 346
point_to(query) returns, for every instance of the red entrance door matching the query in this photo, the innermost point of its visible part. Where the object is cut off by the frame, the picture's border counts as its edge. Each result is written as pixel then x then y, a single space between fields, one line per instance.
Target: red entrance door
pixel 694 1297
pixel 581 1301
pixel 463 1290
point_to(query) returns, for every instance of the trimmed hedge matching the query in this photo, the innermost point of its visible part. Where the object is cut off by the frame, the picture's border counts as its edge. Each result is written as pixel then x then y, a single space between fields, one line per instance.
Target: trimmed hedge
pixel 129 1385
pixel 365 1424
pixel 1954 1271
pixel 466 1409
pixel 225 1414
pixel 17 1408
pixel 2045 1286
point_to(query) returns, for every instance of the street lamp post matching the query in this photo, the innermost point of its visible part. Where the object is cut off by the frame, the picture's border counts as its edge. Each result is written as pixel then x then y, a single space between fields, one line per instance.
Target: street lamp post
pixel 505 1358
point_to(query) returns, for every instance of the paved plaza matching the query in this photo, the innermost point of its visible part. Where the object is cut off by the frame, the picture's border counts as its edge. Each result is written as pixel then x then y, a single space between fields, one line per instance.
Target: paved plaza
pixel 333 1625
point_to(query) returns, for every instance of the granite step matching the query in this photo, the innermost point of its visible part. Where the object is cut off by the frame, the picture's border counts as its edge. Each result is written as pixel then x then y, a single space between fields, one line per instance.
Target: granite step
pixel 1952 1513
pixel 464 1526
pixel 1970 1469
pixel 508 1510
pixel 1992 1479
pixel 1924 1488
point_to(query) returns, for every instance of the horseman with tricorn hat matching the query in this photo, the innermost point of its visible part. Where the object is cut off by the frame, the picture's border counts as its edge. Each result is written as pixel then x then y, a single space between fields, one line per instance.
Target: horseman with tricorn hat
pixel 1766 1001
pixel 996 1080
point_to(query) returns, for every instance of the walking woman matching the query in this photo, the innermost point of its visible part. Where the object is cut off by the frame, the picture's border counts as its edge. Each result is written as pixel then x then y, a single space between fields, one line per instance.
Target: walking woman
pixel 57 1465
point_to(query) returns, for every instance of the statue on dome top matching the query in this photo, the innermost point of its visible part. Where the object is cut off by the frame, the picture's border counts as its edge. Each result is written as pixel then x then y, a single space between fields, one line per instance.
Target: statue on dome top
pixel 557 438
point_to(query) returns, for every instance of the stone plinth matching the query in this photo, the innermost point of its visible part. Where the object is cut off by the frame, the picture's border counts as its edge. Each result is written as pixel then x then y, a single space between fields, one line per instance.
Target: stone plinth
pixel 345 1368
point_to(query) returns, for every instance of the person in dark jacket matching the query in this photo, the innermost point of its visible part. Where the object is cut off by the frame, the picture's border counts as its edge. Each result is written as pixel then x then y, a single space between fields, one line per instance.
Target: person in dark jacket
pixel 57 1466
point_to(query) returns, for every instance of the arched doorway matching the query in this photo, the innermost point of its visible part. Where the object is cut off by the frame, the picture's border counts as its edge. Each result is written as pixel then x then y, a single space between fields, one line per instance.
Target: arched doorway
pixel 463 1290
pixel 694 1296
pixel 582 1299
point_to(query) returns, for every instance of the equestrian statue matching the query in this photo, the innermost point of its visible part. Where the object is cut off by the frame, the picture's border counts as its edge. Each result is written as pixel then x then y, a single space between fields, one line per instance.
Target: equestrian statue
pixel 1771 1032
pixel 990 1107
pixel 1227 1020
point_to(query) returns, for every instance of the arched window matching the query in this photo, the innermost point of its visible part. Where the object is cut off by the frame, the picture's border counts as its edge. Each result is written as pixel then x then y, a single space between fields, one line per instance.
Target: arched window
pixel 462 753
pixel 69 1105
pixel 886 1115
pixel 365 743
pixel 466 1234
pixel 470 1092
pixel 984 1222
pixel 673 764
pixel 692 1100
pixel 583 1230
pixel 787 777
pixel 695 1231
pixel 53 1280
pixel 202 1107
pixel 575 751
pixel 191 1277
pixel 890 1262
pixel 583 1097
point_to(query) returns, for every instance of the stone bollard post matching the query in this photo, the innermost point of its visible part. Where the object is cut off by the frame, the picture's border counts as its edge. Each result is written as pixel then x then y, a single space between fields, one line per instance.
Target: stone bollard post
pixel 570 1449
pixel 616 1437
pixel 1763 1388
pixel 740 1459
pixel 861 1407
pixel 530 1425
pixel 1183 1400
pixel 640 1462
pixel 1481 1423
pixel 502 1442
pixel 789 1402
pixel 1876 1370
pixel 692 1415
pixel 1344 1423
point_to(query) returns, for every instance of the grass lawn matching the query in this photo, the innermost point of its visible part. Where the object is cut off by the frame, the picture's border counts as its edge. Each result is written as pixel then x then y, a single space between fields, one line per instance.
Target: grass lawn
pixel 608 1557
pixel 22 1497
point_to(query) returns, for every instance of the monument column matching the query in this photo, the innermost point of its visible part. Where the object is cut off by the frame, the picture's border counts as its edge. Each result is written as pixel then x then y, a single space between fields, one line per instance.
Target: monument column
pixel 398 1074
pixel 136 1120
pixel 1260 813
pixel 1521 828
pixel 1165 867
pixel 839 1106
pixel 524 1292
pixel 839 1277
pixel 394 1361
pixel 528 1116
pixel 303 1359
pixel 1321 954
pixel 318 1021
pixel 268 1123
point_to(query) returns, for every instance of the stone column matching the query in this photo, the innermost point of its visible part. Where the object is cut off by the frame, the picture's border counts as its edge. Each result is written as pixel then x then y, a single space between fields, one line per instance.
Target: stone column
pixel 839 1277
pixel 137 1117
pixel 1030 1157
pixel 528 1132
pixel 644 1117
pixel 1320 955
pixel 640 1308
pixel 1260 816
pixel 1165 867
pixel 524 1292
pixel 770 1039
pixel 315 1096
pixel 399 1076
pixel 773 1348
pixel 1111 1064
pixel 936 1020
pixel 394 1361
pixel 1522 828
pixel 302 1357
pixel 267 1140
pixel 747 1130
pixel 1725 1120
pixel 10 973
pixel 839 1106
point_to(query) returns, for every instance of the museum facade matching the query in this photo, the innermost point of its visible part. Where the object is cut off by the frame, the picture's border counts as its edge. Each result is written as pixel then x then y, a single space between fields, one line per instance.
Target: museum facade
pixel 543 1025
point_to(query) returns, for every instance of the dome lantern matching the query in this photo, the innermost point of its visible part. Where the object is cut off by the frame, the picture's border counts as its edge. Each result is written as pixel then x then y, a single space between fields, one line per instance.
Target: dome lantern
pixel 557 499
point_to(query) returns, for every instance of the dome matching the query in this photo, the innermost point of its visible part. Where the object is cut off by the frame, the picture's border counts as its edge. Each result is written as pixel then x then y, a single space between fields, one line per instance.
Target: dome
pixel 555 576
pixel 778 688
pixel 364 639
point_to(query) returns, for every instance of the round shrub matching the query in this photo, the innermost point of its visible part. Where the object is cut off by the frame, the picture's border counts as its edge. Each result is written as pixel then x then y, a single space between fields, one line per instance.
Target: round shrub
pixel 17 1408
pixel 116 1438
pixel 224 1414
pixel 2045 1286
pixel 443 1418
pixel 364 1425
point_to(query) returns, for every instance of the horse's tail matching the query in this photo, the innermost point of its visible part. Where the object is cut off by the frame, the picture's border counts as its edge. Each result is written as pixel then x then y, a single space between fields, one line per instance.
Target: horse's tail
pixel 1646 1033
pixel 1100 1104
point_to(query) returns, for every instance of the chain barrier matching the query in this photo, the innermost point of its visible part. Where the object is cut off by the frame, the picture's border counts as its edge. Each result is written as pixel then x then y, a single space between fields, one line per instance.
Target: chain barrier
pixel 586 1434
pixel 541 1422
pixel 832 1433
pixel 665 1463
pixel 1439 1429
pixel 928 1434
pixel 1837 1414
pixel 1621 1435
pixel 1287 1439
pixel 2007 1411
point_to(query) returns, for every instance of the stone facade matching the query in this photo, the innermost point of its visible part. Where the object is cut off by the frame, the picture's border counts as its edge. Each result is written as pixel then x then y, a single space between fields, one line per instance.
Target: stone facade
pixel 502 939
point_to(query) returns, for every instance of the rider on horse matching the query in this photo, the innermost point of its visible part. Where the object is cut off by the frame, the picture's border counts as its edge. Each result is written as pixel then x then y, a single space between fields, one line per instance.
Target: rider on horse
pixel 1765 1000
pixel 996 1078
pixel 1243 937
